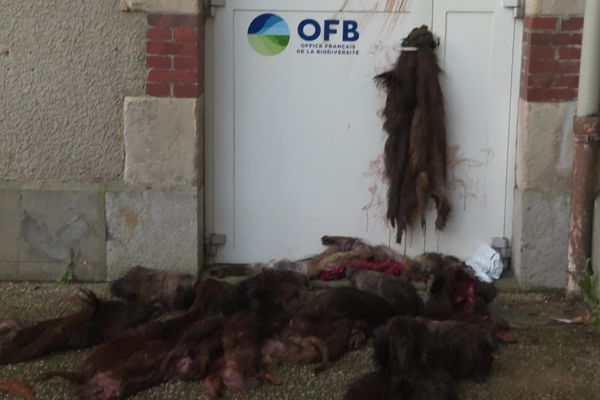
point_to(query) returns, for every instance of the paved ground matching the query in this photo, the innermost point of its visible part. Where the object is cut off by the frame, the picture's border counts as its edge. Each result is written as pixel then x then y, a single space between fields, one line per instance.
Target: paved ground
pixel 551 361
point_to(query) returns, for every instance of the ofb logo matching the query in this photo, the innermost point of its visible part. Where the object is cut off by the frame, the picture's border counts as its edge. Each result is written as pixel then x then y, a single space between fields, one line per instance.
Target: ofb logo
pixel 269 34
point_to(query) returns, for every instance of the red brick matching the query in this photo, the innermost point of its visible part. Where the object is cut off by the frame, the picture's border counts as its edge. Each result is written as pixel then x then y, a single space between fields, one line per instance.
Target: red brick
pixel 551 94
pixel 541 52
pixel 569 81
pixel 168 21
pixel 159 62
pixel 186 63
pixel 186 34
pixel 172 76
pixel 551 66
pixel 550 39
pixel 170 48
pixel 540 80
pixel 547 23
pixel 189 49
pixel 158 34
pixel 157 90
pixel 186 91
pixel 569 53
pixel 572 24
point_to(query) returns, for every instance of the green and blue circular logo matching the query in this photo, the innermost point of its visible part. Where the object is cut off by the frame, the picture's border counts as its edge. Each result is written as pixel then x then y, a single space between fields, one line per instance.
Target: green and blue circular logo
pixel 269 34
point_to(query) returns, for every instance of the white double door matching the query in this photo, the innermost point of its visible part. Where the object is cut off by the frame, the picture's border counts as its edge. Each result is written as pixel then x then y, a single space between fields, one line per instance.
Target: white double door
pixel 294 140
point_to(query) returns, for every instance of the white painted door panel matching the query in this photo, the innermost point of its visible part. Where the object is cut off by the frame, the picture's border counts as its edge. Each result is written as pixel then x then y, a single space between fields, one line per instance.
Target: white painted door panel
pixel 295 135
pixel 476 54
pixel 295 141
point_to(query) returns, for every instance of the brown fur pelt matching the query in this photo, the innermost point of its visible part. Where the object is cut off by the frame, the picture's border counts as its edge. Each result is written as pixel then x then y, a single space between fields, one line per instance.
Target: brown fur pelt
pixel 306 341
pixel 345 249
pixel 100 320
pixel 432 264
pixel 461 349
pixel 143 284
pixel 444 300
pixel 401 352
pixel 431 384
pixel 398 292
pixel 139 359
pixel 339 250
pixel 348 303
pixel 415 150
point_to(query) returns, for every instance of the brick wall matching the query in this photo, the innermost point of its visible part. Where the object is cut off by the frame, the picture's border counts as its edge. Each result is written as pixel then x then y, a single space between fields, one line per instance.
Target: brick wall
pixel 174 50
pixel 551 53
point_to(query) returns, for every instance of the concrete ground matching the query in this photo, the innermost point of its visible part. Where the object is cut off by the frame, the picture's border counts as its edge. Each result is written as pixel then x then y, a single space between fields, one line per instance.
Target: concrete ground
pixel 550 360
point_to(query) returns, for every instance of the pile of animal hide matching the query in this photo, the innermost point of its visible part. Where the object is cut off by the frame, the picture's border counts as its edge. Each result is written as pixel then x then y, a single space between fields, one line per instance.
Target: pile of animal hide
pixel 167 327
pixel 415 149
pixel 341 254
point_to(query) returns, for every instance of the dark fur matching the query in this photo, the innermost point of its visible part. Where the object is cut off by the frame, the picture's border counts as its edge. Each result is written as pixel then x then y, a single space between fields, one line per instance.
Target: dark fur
pixel 413 385
pixel 415 151
pixel 461 349
pixel 9 328
pixel 401 345
pixel 145 357
pixel 276 295
pixel 306 341
pixel 334 322
pixel 182 347
pixel 241 338
pixel 215 298
pixel 270 299
pixel 436 263
pixel 212 385
pixel 98 322
pixel 149 367
pixel 148 285
pixel 370 386
pixel 212 340
pixel 398 292
pixel 349 303
pixel 441 304
pixel 401 352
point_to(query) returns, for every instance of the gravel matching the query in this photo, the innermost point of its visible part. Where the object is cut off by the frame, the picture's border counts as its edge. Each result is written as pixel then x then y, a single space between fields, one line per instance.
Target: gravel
pixel 550 361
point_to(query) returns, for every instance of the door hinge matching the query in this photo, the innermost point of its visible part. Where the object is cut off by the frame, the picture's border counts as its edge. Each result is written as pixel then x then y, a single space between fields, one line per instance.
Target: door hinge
pixel 214 241
pixel 518 7
pixel 211 7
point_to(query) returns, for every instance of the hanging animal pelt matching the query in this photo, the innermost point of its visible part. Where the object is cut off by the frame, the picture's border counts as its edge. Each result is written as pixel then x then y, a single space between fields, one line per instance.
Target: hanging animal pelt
pixel 415 150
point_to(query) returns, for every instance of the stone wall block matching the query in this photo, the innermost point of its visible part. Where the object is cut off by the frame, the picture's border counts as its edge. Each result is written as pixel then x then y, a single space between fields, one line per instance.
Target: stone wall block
pixel 540 233
pixel 10 226
pixel 545 146
pixel 162 146
pixel 162 6
pixel 9 271
pixel 62 228
pixel 156 229
pixel 545 7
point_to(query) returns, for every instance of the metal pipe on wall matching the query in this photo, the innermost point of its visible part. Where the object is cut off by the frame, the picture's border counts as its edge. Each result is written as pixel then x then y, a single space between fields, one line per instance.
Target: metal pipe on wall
pixel 586 129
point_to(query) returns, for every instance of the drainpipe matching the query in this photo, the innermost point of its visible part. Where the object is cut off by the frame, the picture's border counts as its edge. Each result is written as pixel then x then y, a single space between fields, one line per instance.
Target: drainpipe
pixel 586 129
